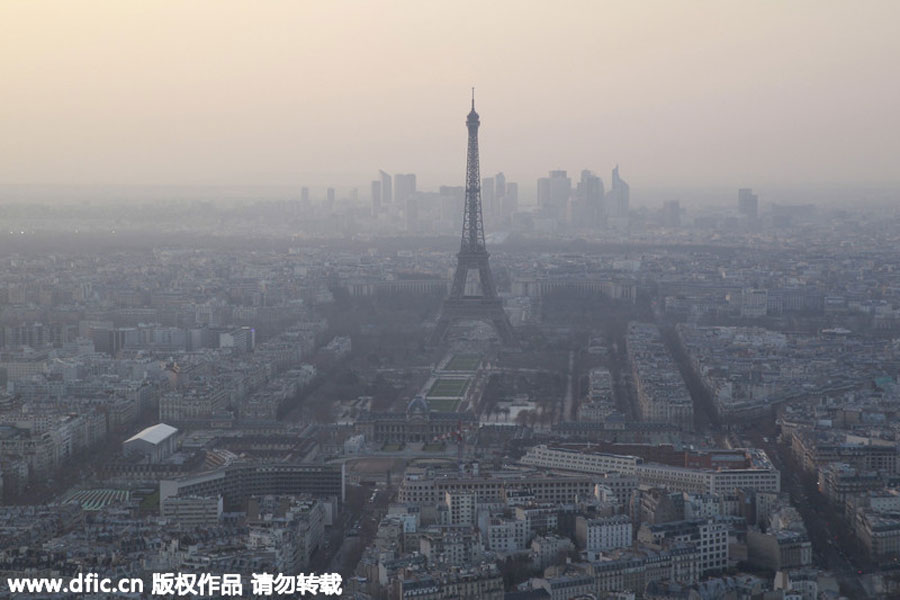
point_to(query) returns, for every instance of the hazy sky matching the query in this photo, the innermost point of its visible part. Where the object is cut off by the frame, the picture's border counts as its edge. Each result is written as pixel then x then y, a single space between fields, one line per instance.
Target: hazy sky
pixel 317 92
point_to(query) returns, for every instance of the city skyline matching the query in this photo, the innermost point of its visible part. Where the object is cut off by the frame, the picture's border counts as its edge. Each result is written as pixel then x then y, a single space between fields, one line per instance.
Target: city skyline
pixel 262 334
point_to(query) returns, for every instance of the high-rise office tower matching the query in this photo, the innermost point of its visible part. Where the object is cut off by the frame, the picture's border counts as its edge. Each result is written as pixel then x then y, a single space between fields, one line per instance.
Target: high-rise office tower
pixel 619 195
pixel 404 187
pixel 588 209
pixel 500 185
pixel 329 200
pixel 510 202
pixel 405 196
pixel 376 197
pixel 453 202
pixel 488 198
pixel 412 211
pixel 748 203
pixel 543 194
pixel 553 195
pixel 387 191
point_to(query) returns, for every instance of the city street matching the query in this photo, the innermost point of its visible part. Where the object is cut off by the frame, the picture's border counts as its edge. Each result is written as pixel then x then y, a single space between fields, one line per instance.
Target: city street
pixel 834 547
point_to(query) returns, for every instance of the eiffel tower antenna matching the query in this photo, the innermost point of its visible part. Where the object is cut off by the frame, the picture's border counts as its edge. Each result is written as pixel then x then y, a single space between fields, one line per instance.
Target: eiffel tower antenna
pixel 473 255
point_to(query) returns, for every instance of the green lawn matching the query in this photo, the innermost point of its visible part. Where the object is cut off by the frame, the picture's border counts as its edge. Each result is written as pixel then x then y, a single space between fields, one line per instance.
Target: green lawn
pixel 448 388
pixel 463 362
pixel 443 404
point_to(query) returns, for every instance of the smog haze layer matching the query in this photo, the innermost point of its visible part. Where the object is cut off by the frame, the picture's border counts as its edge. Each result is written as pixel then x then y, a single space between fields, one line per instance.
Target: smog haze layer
pixel 218 92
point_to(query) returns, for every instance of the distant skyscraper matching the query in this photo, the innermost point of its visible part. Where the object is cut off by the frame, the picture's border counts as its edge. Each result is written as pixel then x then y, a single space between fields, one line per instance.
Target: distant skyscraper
pixel 588 209
pixel 553 195
pixel 387 191
pixel 404 187
pixel 488 198
pixel 500 185
pixel 329 200
pixel 748 203
pixel 405 196
pixel 453 201
pixel 376 197
pixel 543 194
pixel 510 202
pixel 304 197
pixel 412 211
pixel 619 195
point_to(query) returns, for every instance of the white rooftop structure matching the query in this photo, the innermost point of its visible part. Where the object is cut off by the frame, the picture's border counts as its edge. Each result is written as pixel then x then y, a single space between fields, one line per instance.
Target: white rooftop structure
pixel 155 434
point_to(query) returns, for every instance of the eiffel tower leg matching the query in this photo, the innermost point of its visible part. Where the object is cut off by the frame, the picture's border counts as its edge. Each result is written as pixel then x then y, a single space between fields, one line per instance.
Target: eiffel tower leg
pixel 440 331
pixel 458 288
pixel 503 328
pixel 488 289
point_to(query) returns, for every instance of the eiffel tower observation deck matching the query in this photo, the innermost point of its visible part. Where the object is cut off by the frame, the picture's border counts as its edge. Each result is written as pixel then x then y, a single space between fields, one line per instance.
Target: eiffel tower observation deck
pixel 473 256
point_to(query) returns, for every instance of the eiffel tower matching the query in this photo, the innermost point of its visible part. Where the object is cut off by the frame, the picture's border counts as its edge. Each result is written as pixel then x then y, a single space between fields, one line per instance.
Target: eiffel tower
pixel 473 255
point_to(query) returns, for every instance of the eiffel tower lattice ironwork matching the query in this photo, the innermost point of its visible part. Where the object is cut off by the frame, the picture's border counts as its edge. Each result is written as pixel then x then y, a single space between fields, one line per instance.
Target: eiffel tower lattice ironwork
pixel 473 255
